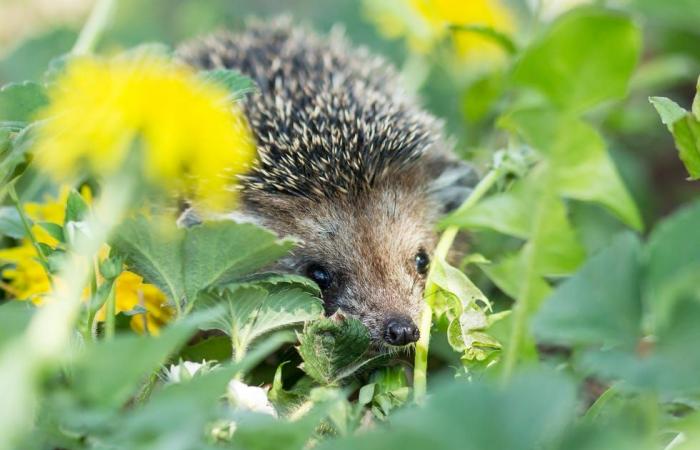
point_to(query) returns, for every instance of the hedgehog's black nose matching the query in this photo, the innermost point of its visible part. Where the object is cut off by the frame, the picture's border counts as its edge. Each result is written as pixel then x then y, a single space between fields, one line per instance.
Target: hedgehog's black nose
pixel 401 331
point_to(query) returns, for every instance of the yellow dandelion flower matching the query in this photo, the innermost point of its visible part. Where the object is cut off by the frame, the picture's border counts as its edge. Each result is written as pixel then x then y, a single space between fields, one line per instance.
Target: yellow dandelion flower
pixel 190 137
pixel 423 23
pixel 24 278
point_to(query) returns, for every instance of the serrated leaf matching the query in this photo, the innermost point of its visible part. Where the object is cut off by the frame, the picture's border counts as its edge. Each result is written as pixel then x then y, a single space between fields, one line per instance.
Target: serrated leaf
pixel 283 279
pixel 218 253
pixel 252 311
pixel 668 110
pixel 332 348
pixel 580 72
pixel 237 84
pixel 154 251
pixel 19 102
pixel 183 262
pixel 600 304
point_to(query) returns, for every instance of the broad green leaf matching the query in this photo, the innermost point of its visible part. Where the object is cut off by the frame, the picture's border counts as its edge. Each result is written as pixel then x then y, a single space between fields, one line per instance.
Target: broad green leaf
pixel 108 373
pixel 251 311
pixel 600 304
pixel 183 262
pixel 531 413
pixel 10 223
pixel 570 66
pixel 283 279
pixel 217 348
pixel 507 275
pixel 237 84
pixel 673 253
pixel 333 348
pixel 667 364
pixel 31 57
pixel 579 165
pixel 154 251
pixel 20 101
pixel 507 212
pixel 668 110
pixel 217 253
pixel 185 407
pixel 14 317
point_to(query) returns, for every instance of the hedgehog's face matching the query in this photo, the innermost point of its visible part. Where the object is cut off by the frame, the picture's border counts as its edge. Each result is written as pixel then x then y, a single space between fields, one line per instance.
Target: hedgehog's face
pixel 369 256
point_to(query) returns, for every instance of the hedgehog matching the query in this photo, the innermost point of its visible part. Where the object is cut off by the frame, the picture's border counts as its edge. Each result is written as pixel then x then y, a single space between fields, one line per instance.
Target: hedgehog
pixel 348 163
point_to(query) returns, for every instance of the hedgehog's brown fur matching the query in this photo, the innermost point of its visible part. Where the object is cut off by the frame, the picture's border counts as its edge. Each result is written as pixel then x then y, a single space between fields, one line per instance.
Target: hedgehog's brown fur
pixel 346 160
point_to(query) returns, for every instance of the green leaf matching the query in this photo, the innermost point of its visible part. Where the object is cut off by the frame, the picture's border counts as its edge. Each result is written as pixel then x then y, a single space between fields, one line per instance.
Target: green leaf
pixel 455 282
pixel 600 304
pixel 14 318
pixel 276 280
pixel 19 102
pixel 183 262
pixel 333 348
pixel 673 253
pixel 108 373
pixel 686 133
pixel 252 311
pixel 668 110
pixel 10 223
pixel 218 253
pixel 185 407
pixel 580 72
pixel 696 101
pixel 54 230
pixel 154 251
pixel 217 348
pixel 531 413
pixel 237 84
pixel 77 208
pixel 667 364
pixel 13 161
pixel 578 162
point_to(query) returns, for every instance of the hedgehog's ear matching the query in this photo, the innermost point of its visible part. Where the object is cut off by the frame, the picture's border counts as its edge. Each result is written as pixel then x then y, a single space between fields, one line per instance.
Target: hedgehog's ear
pixel 452 181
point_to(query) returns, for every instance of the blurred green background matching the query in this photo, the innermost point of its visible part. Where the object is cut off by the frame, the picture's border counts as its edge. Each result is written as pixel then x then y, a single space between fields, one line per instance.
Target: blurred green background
pixel 36 31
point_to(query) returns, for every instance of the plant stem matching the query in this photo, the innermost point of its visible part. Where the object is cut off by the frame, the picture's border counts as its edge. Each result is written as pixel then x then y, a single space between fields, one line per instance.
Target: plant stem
pixel 522 306
pixel 28 229
pixel 420 372
pixel 110 313
pixel 94 27
pixel 23 360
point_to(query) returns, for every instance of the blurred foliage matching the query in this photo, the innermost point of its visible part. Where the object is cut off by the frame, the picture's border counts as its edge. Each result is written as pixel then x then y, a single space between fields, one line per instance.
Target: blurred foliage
pixel 571 323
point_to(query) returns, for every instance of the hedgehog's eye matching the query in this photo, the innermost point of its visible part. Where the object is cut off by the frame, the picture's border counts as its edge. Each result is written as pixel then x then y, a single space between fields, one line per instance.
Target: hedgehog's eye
pixel 319 275
pixel 422 262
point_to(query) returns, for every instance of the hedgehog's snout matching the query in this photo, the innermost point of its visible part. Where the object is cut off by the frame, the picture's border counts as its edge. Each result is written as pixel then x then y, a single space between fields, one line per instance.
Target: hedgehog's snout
pixel 400 331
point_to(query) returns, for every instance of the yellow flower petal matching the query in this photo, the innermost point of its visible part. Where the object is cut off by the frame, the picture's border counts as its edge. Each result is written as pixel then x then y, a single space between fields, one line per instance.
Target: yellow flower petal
pixel 189 136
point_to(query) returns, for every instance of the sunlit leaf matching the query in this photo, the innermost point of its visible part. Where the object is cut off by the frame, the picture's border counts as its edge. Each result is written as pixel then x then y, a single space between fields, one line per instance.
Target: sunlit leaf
pixel 580 73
